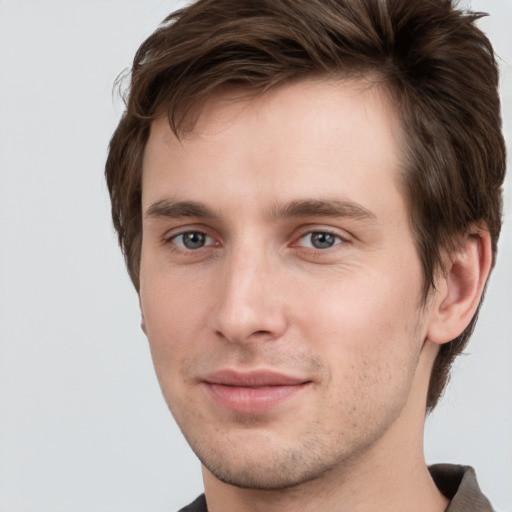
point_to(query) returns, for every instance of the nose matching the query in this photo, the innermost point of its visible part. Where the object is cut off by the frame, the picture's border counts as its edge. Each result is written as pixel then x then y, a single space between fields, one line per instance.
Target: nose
pixel 249 304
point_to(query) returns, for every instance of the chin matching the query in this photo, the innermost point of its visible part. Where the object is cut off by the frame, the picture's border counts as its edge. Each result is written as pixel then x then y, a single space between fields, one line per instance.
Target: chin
pixel 265 476
pixel 267 465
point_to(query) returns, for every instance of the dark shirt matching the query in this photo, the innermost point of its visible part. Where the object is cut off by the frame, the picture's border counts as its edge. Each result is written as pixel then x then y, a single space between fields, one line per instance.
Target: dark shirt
pixel 457 483
pixel 199 505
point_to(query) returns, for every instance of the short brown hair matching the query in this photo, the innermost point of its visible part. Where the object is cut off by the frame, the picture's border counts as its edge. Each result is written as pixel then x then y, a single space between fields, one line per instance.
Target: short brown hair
pixel 438 66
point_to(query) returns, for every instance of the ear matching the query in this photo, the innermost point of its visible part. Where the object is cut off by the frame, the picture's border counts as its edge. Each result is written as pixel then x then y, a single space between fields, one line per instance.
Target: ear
pixel 460 288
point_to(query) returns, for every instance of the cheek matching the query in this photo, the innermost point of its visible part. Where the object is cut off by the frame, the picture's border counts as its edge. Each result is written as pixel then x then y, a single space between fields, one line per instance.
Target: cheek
pixel 362 303
pixel 370 342
pixel 367 323
pixel 174 310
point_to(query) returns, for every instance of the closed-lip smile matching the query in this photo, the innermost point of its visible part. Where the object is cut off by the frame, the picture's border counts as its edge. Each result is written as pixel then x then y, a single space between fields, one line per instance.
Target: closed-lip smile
pixel 252 392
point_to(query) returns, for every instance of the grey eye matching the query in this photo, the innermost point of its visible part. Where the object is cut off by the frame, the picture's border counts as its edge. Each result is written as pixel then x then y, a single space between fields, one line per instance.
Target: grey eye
pixel 191 240
pixel 320 240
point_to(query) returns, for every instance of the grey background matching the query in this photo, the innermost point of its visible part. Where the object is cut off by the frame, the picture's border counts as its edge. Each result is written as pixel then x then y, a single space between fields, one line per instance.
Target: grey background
pixel 83 426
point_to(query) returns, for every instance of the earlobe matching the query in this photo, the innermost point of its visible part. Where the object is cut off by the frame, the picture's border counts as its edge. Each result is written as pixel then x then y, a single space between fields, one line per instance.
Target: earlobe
pixel 460 288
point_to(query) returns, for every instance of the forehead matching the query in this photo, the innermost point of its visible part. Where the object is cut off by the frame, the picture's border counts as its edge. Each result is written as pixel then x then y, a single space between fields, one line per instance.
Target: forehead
pixel 311 136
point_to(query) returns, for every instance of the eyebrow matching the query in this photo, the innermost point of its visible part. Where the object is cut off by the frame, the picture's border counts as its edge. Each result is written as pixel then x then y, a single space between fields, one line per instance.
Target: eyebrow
pixel 169 208
pixel 322 208
pixel 178 209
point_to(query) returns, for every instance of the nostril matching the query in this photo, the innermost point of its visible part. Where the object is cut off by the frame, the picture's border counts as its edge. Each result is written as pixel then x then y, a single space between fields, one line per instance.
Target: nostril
pixel 241 319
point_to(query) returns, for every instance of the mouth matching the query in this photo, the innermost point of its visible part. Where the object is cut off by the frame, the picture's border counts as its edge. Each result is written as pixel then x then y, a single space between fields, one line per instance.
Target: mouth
pixel 252 392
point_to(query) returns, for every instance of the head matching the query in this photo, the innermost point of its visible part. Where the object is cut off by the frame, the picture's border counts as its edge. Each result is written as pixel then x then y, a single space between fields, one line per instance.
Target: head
pixel 437 68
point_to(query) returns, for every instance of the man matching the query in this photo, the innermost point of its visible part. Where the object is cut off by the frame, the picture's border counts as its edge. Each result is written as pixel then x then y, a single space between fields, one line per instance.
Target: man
pixel 308 197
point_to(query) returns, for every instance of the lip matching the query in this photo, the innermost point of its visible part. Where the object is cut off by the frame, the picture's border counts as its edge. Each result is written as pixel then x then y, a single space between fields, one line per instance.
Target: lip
pixel 252 392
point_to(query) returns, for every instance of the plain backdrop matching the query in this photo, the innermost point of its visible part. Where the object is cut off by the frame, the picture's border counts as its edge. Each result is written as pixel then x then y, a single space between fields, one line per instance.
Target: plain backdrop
pixel 83 426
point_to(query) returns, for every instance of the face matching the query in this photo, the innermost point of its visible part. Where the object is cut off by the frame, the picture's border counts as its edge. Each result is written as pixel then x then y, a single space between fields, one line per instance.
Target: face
pixel 280 286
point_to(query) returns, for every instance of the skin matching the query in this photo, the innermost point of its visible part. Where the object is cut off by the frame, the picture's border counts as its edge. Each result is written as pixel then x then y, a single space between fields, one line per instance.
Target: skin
pixel 233 277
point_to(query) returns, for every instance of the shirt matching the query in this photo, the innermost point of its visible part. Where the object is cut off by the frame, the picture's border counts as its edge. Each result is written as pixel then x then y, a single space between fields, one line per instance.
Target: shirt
pixel 458 484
